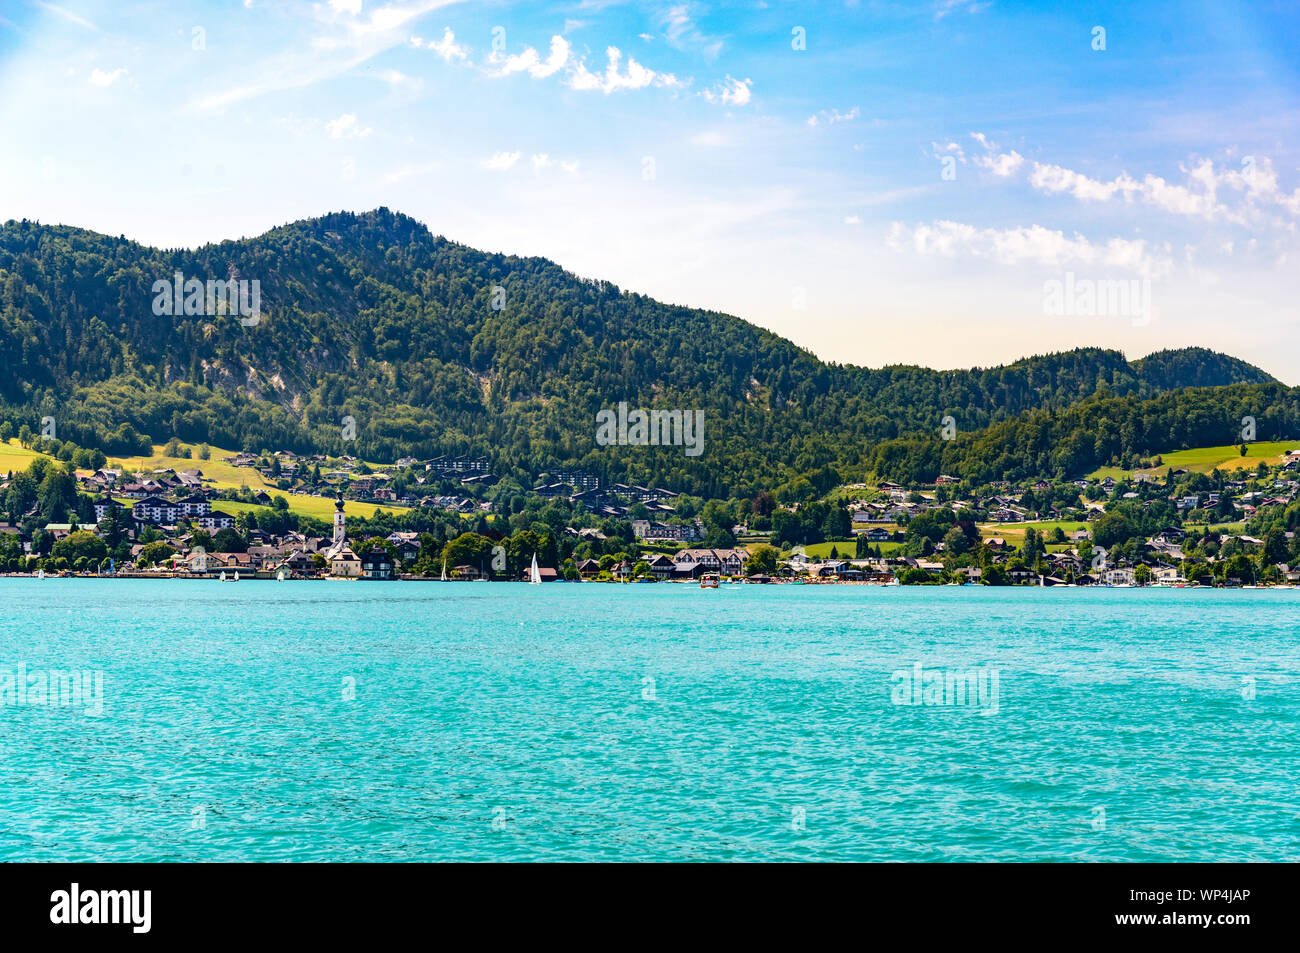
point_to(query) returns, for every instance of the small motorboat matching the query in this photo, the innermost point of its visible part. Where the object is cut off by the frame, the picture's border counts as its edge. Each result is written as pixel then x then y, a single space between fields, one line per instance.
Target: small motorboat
pixel 710 580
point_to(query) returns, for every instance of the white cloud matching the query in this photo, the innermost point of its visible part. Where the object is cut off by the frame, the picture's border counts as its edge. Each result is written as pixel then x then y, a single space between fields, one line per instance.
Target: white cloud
pixel 447 47
pixel 616 76
pixel 1033 244
pixel 100 78
pixel 541 161
pixel 346 127
pixel 1054 178
pixel 734 92
pixel 341 45
pixel 501 161
pixel 831 116
pixel 67 15
pixel 1002 165
pixel 949 148
pixel 1255 183
pixel 1258 180
pixel 682 33
pixel 636 76
pixel 350 7
pixel 945 7
pixel 853 220
pixel 531 62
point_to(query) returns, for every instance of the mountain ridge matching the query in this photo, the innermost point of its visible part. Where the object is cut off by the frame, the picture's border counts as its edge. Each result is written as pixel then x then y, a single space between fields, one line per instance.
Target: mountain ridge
pixel 432 346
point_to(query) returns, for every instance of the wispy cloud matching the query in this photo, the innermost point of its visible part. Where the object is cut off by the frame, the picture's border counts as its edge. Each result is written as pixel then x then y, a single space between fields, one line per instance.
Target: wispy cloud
pixel 945 7
pixel 615 78
pixel 346 127
pixel 682 33
pixel 830 117
pixel 343 41
pixel 531 62
pixel 1253 186
pixel 447 47
pixel 1034 244
pixel 542 161
pixel 731 92
pixel 1002 165
pixel 501 161
pixel 67 15
pixel 103 78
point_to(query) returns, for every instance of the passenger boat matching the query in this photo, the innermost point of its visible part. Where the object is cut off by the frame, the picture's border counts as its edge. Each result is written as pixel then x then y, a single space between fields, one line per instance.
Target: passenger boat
pixel 710 580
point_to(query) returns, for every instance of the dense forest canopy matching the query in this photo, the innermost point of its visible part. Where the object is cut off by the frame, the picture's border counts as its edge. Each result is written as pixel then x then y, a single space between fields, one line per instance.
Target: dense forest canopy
pixel 433 347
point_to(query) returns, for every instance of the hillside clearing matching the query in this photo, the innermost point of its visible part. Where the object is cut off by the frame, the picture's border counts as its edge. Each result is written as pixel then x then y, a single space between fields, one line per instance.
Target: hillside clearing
pixel 1205 459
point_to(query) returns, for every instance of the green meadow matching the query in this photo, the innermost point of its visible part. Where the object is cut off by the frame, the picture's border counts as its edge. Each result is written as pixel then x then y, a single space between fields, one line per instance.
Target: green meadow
pixel 1014 533
pixel 14 458
pixel 1205 459
pixel 216 472
pixel 845 549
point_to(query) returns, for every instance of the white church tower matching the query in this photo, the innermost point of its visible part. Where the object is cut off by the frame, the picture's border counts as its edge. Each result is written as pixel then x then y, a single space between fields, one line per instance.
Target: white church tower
pixel 342 561
pixel 340 530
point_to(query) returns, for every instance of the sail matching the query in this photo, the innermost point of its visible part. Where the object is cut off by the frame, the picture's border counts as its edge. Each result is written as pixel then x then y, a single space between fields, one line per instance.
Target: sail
pixel 444 570
pixel 535 574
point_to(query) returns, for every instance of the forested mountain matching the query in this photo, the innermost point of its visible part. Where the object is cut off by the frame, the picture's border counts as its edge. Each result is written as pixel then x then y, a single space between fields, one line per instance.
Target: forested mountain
pixel 1068 443
pixel 433 347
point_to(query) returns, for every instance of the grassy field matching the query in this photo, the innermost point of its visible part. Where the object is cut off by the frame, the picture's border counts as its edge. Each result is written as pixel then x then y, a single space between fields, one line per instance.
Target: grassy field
pixel 224 476
pixel 314 506
pixel 846 550
pixel 1229 528
pixel 1205 459
pixel 1014 533
pixel 15 458
pixel 216 472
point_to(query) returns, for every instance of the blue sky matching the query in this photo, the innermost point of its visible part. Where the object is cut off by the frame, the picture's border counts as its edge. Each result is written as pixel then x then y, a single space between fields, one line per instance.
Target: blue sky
pixel 903 188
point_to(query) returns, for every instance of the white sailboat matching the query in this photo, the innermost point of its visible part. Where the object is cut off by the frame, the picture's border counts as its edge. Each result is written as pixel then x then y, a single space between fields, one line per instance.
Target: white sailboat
pixel 223 575
pixel 534 574
pixel 444 570
pixel 279 576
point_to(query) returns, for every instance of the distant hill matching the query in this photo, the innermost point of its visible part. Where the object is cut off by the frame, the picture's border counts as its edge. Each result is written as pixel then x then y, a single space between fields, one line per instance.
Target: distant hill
pixel 1101 430
pixel 433 347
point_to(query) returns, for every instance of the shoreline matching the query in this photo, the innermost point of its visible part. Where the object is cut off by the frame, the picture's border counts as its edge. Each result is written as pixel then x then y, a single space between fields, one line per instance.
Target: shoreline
pixel 730 584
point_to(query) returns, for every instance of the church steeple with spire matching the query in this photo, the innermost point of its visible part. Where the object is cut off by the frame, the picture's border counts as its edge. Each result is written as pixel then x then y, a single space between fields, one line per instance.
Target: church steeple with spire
pixel 343 562
pixel 340 527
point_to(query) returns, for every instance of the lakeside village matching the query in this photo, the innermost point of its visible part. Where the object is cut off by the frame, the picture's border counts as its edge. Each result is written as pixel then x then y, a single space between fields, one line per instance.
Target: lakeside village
pixel 452 518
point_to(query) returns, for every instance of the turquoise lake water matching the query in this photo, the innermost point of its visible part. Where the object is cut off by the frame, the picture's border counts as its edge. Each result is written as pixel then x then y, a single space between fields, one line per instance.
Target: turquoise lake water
pixel 459 721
